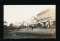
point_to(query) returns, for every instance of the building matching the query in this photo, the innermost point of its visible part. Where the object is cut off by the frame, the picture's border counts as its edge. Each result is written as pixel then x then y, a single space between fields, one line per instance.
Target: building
pixel 31 21
pixel 46 17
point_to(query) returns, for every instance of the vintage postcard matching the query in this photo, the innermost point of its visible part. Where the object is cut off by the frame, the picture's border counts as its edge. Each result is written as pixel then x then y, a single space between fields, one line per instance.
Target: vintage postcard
pixel 29 21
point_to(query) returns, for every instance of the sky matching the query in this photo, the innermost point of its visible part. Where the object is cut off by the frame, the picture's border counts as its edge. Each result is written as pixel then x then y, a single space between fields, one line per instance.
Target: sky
pixel 18 13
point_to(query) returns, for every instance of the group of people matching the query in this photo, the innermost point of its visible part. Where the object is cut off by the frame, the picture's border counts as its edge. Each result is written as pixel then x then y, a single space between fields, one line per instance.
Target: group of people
pixel 43 25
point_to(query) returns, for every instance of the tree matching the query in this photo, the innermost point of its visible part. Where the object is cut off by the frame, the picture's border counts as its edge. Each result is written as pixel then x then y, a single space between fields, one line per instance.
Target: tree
pixel 11 27
pixel 5 25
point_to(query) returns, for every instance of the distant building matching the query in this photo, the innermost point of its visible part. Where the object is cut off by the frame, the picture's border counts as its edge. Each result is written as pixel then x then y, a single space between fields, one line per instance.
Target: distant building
pixel 17 24
pixel 31 21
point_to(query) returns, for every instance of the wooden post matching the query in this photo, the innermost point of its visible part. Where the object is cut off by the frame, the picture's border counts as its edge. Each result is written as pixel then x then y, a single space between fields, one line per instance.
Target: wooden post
pixel 49 23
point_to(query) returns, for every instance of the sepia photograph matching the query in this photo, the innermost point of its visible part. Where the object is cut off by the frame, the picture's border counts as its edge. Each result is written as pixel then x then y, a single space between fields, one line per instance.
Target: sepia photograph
pixel 29 21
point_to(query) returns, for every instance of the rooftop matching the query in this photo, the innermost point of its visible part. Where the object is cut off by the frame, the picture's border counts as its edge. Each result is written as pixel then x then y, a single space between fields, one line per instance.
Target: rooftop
pixel 42 12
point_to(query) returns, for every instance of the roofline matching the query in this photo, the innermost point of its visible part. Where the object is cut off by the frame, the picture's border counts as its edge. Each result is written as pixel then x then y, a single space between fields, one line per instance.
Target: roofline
pixel 42 12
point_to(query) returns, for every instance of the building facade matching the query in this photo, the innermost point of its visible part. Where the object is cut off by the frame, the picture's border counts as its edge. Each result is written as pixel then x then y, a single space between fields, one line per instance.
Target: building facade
pixel 46 17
